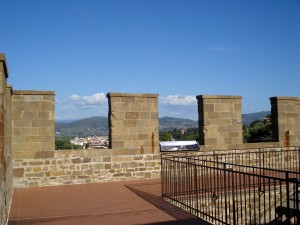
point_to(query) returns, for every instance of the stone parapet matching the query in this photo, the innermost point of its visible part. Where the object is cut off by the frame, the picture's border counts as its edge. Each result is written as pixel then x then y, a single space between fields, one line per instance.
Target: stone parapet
pixel 78 167
pixel 95 166
pixel 133 122
pixel 220 122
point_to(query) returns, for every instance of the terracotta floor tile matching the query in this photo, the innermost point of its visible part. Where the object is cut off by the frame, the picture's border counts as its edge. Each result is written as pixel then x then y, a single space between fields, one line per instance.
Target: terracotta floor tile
pixel 116 203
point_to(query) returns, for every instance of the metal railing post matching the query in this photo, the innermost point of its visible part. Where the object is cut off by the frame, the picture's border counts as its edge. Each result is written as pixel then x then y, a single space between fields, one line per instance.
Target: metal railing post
pixel 225 188
pixel 287 195
pixel 233 197
pixel 196 190
pixel 297 191
pixel 161 175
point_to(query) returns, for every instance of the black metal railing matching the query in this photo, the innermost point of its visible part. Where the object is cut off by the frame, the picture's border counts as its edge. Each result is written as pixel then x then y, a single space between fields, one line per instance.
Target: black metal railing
pixel 235 188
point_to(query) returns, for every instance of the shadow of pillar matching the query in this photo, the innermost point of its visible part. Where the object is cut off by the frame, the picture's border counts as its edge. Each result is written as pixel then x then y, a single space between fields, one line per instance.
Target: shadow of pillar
pixel 182 217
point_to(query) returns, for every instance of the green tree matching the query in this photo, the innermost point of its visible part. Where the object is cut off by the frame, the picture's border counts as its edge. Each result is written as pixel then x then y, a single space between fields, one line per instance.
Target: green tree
pixel 246 134
pixel 63 143
pixel 165 135
pixel 176 134
pixel 259 130
pixel 190 134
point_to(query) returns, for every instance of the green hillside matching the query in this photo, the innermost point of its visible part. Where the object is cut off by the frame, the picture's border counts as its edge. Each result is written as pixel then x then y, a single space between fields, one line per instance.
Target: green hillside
pixel 98 125
pixel 250 117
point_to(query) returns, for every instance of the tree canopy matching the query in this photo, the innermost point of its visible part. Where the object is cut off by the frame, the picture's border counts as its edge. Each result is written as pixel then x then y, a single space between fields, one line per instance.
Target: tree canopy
pixel 189 134
pixel 258 131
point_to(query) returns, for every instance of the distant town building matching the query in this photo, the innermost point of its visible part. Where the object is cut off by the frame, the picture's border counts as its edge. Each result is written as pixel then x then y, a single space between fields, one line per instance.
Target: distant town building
pixel 77 141
pixel 95 142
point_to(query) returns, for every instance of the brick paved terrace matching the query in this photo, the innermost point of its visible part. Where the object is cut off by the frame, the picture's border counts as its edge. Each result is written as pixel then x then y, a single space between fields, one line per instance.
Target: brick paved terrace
pixel 112 203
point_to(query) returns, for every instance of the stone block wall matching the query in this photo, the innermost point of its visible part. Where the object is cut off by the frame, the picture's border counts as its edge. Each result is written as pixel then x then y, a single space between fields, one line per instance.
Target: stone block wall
pixel 85 166
pixel 220 122
pixel 133 122
pixel 286 120
pixel 6 164
pixel 33 123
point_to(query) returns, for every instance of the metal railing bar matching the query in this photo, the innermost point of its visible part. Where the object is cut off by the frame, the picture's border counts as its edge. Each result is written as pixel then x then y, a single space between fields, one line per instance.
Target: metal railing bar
pixel 229 192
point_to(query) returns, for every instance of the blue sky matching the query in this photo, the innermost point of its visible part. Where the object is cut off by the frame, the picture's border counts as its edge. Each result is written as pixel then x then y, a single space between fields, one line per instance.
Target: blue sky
pixel 84 49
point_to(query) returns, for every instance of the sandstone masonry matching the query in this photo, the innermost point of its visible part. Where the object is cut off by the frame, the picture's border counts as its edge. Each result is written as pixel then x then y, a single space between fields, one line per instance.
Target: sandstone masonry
pixel 6 164
pixel 86 166
pixel 220 121
pixel 33 123
pixel 286 120
pixel 133 122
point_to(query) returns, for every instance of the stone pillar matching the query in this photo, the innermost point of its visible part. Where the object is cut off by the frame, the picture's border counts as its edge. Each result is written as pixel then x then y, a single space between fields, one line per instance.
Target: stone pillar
pixel 5 148
pixel 33 123
pixel 8 124
pixel 133 122
pixel 3 84
pixel 285 113
pixel 8 146
pixel 220 122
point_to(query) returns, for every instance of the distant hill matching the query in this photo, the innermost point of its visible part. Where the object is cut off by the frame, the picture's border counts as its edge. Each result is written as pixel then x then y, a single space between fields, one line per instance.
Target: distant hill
pixel 91 126
pixel 250 117
pixel 98 125
pixel 167 123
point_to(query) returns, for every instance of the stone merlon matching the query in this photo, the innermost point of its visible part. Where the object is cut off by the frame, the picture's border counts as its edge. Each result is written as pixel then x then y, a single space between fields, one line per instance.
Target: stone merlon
pixel 32 92
pixel 132 95
pixel 218 96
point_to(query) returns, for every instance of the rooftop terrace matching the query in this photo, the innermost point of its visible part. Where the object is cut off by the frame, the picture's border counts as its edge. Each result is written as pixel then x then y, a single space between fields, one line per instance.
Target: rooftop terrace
pixel 76 187
pixel 112 203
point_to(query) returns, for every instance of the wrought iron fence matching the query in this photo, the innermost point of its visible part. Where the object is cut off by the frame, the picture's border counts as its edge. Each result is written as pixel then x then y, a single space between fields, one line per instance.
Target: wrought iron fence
pixel 235 188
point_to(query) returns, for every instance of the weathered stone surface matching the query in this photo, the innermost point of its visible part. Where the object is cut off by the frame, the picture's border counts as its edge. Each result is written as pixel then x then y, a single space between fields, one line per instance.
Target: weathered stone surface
pixel 76 160
pixel 44 154
pixel 19 172
pixel 140 119
pixel 35 163
pixel 220 121
pixel 99 166
pixel 132 115
pixel 287 111
pixel 106 159
pixel 32 117
pixel 86 160
pixel 76 169
pixel 36 169
pixel 140 157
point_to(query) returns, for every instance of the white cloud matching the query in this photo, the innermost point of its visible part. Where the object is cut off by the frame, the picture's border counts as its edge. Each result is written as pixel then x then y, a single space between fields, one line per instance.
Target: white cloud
pixel 95 99
pixel 179 100
pixel 74 97
pixel 76 106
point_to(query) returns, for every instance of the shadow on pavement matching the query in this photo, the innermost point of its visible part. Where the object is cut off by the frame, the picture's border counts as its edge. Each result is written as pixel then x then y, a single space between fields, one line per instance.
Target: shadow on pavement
pixel 183 217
